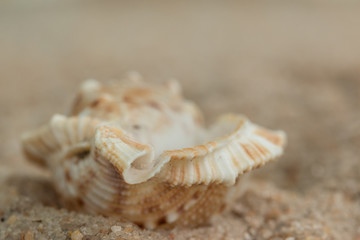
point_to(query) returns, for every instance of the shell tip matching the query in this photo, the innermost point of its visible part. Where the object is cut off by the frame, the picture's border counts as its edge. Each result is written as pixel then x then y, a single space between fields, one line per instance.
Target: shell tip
pixel 90 85
pixel 134 76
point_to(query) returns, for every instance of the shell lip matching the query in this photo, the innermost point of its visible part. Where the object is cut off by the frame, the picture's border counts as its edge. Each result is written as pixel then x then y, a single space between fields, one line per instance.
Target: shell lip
pixel 135 161
pixel 200 164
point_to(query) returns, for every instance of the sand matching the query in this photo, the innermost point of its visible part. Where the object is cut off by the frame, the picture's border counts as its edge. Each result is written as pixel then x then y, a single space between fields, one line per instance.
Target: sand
pixel 291 66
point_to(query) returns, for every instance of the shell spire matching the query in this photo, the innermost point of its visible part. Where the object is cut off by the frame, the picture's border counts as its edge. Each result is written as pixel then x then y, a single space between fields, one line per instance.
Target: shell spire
pixel 141 152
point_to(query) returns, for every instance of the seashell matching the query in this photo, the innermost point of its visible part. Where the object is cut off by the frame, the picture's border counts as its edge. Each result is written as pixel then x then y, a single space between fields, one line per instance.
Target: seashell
pixel 141 152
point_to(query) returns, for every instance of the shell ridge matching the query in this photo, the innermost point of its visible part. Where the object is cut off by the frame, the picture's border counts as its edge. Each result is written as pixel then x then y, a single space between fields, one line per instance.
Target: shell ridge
pixel 218 160
pixel 58 134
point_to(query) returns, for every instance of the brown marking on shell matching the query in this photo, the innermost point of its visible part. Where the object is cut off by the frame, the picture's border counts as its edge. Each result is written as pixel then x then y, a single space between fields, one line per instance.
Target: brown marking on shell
pixel 91 173
pixel 106 105
pixel 181 154
pixel 260 148
pixel 136 126
pixel 181 209
pixel 117 133
pixel 134 95
pixel 222 207
pixel 154 105
pixel 80 202
pixel 249 150
pixel 196 195
pixel 152 209
pixel 198 119
pixel 83 154
pixel 83 186
pixel 197 170
pixel 273 138
pixel 118 210
pixel 160 123
pixel 213 144
pixel 140 224
pixel 127 99
pixel 201 148
pixel 95 103
pixel 76 203
pixel 161 221
pixel 234 161
pixel 67 175
pixel 176 108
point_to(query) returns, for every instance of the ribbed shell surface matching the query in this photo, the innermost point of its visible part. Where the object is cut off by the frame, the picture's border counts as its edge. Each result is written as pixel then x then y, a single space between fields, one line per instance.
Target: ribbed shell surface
pixel 141 153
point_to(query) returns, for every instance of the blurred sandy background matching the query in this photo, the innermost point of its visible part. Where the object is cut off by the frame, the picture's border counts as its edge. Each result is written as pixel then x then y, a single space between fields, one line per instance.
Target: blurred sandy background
pixel 287 65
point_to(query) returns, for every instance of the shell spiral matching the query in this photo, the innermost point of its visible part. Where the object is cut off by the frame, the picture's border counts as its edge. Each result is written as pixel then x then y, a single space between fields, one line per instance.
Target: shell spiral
pixel 140 152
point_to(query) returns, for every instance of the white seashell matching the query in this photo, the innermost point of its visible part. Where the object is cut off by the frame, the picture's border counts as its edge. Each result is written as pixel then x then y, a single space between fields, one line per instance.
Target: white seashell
pixel 141 152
